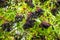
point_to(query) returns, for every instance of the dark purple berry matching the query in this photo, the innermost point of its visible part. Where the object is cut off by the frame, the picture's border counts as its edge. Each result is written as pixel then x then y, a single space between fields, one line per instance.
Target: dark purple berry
pixel 53 11
pixel 8 29
pixel 3 3
pixel 29 24
pixel 2 0
pixel 44 24
pixel 33 15
pixel 36 14
pixel 57 3
pixel 6 26
pixel 39 11
pixel 18 18
pixel 29 2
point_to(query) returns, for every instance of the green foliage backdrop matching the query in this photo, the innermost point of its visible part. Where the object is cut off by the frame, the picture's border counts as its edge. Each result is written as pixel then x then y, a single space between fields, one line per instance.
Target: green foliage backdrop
pixel 30 20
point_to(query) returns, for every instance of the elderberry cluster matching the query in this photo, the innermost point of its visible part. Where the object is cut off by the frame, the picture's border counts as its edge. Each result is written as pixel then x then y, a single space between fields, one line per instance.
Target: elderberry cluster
pixel 36 14
pixel 18 18
pixel 54 11
pixel 29 22
pixel 29 3
pixel 8 25
pixel 44 24
pixel 3 3
pixel 57 3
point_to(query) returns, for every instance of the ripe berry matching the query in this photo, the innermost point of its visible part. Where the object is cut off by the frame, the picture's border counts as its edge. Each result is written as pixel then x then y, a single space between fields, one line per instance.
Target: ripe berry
pixel 29 2
pixel 6 27
pixel 53 11
pixel 57 3
pixel 3 3
pixel 29 24
pixel 35 14
pixel 39 11
pixel 2 0
pixel 18 18
pixel 44 24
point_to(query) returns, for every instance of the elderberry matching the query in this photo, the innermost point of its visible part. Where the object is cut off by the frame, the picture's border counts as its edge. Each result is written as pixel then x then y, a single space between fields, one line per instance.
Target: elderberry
pixel 29 24
pixel 18 18
pixel 44 24
pixel 6 26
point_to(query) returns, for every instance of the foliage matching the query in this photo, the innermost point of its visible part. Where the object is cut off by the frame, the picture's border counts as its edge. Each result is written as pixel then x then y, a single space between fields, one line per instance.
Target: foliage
pixel 30 20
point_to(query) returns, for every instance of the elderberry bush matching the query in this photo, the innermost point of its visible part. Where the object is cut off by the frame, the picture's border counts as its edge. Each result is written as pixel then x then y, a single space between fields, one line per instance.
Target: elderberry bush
pixel 29 19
